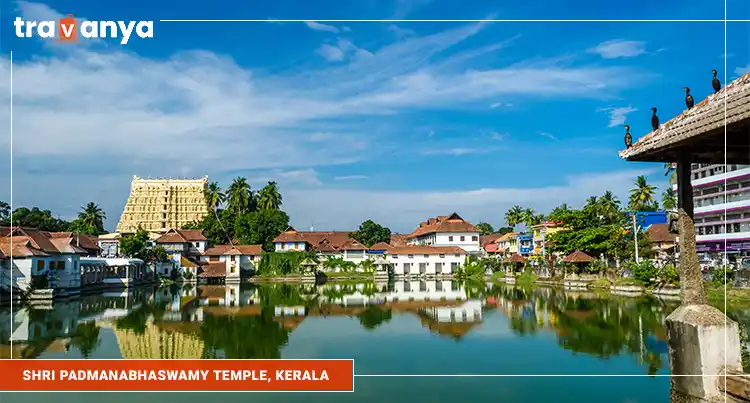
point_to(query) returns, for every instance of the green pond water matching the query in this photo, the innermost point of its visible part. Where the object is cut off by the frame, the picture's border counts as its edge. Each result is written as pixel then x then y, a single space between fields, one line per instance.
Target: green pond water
pixel 427 328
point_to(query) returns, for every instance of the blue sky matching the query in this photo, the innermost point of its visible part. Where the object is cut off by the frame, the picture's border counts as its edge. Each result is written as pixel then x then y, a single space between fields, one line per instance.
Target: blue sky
pixel 391 121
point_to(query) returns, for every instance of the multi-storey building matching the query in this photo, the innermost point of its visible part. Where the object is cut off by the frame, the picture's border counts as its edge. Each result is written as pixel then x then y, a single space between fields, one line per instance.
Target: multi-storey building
pixel 541 232
pixel 158 205
pixel 449 230
pixel 721 196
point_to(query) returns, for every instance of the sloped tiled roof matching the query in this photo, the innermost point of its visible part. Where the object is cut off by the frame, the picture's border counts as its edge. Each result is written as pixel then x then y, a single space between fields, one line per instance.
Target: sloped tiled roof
pixel 425 250
pixel 491 238
pixel 22 246
pixel 321 241
pixel 380 246
pixel 84 241
pixel 449 223
pixel 399 239
pixel 181 236
pixel 730 105
pixel 219 250
pixel 660 233
pixel 214 270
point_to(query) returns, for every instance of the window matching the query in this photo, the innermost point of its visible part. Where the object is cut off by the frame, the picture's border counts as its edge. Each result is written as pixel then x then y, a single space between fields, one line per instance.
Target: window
pixel 442 255
pixel 40 265
pixel 426 256
pixel 422 268
pixel 163 224
pixel 454 267
pixel 283 246
pixel 474 238
pixel 462 238
pixel 407 269
pixel 457 255
pixel 213 258
pixel 450 238
pixel 166 193
pixel 197 245
pixel 411 256
pixel 438 268
pixel 394 256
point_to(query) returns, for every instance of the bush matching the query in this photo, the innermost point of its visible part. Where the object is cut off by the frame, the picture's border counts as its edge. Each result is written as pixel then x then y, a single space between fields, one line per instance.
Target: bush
pixel 39 282
pixel 595 267
pixel 645 271
pixel 188 275
pixel 175 274
pixel 722 275
pixel 670 274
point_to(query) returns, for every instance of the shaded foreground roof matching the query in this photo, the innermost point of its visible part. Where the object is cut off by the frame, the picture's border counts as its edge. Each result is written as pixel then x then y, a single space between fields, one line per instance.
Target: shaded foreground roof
pixel 578 257
pixel 447 223
pixel 700 131
pixel 425 250
pixel 516 258
pixel 28 242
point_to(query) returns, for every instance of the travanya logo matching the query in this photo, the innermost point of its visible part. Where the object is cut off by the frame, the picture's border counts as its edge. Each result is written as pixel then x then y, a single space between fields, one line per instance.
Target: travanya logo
pixel 68 29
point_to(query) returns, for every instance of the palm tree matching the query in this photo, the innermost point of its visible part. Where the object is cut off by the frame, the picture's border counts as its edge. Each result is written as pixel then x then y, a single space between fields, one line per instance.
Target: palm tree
pixel 610 205
pixel 214 195
pixel 4 210
pixel 240 196
pixel 269 198
pixel 92 216
pixel 669 199
pixel 531 218
pixel 642 196
pixel 514 216
pixel 670 170
pixel 592 201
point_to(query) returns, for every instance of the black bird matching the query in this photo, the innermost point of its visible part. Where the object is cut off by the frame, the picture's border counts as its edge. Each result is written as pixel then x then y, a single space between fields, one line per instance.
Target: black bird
pixel 716 83
pixel 689 98
pixel 628 137
pixel 654 120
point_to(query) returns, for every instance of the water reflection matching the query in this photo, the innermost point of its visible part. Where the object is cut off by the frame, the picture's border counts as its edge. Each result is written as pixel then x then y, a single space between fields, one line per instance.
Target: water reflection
pixel 247 321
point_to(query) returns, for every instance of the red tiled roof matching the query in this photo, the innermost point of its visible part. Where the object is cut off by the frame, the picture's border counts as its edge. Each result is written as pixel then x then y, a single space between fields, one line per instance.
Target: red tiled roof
pixel 84 241
pixel 491 238
pixel 425 250
pixel 352 244
pixel 380 246
pixel 214 270
pixel 219 250
pixel 398 239
pixel 660 233
pixel 321 241
pixel 181 236
pixel 492 248
pixel 450 223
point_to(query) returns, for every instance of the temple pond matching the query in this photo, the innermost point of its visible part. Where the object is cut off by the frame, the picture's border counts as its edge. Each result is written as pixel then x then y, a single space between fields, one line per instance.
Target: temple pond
pixel 403 328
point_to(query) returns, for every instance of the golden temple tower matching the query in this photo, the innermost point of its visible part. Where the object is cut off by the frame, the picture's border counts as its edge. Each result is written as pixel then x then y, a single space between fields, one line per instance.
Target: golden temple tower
pixel 158 205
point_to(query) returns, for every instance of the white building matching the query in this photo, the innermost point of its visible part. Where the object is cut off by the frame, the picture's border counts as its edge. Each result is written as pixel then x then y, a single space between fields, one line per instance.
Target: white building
pixel 425 260
pixel 470 311
pixel 231 259
pixel 109 244
pixel 37 254
pixel 450 230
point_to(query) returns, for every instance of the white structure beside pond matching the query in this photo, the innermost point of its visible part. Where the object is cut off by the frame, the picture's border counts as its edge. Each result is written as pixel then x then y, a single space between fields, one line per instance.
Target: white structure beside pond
pixel 408 261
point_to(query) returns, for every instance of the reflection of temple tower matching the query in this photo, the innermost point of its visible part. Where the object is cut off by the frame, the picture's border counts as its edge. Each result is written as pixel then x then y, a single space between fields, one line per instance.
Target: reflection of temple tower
pixel 157 343
pixel 158 205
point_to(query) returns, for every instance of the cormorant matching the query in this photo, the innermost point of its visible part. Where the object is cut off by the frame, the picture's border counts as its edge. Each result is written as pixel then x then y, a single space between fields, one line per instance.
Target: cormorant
pixel 716 83
pixel 654 120
pixel 689 98
pixel 628 137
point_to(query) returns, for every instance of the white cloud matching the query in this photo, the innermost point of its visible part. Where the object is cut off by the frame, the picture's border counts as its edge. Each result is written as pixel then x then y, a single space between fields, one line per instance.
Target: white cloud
pixel 199 112
pixel 316 26
pixel 619 48
pixel 401 32
pixel 305 177
pixel 346 29
pixel 498 136
pixel 331 53
pixel 401 211
pixel 406 7
pixel 547 135
pixel 350 177
pixel 618 116
pixel 742 70
pixel 457 151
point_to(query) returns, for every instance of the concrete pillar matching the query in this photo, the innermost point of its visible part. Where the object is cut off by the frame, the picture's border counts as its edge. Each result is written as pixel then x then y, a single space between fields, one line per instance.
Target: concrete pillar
pixel 703 342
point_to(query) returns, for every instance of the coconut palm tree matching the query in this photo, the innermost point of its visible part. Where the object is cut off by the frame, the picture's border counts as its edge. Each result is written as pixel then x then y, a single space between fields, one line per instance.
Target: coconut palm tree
pixel 214 195
pixel 669 199
pixel 240 197
pixel 269 198
pixel 514 216
pixel 642 195
pixel 4 210
pixel 670 170
pixel 610 205
pixel 92 216
pixel 531 218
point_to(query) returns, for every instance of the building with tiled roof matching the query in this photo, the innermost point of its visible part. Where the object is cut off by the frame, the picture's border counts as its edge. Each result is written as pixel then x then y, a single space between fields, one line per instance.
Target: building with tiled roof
pixel 182 244
pixel 235 258
pixel 663 242
pixel 326 243
pixel 449 230
pixel 424 260
pixel 540 234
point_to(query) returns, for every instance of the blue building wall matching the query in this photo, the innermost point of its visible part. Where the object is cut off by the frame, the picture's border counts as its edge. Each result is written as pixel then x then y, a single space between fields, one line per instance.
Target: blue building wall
pixel 525 244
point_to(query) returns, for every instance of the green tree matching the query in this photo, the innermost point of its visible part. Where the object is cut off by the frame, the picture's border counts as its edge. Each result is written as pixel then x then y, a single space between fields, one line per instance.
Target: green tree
pixel 269 198
pixel 260 227
pixel 610 206
pixel 135 245
pixel 90 220
pixel 4 211
pixel 514 216
pixel 214 196
pixel 531 218
pixel 370 233
pixel 240 197
pixel 669 199
pixel 504 230
pixel 217 232
pixel 485 228
pixel 642 196
pixel 158 254
pixel 36 218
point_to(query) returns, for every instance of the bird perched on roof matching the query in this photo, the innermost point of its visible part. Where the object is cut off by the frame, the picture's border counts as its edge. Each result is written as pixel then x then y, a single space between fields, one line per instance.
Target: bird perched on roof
pixel 689 98
pixel 654 120
pixel 716 83
pixel 628 137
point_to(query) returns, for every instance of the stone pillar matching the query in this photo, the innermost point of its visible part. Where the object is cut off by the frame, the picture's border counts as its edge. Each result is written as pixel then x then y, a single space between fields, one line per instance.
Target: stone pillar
pixel 703 342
